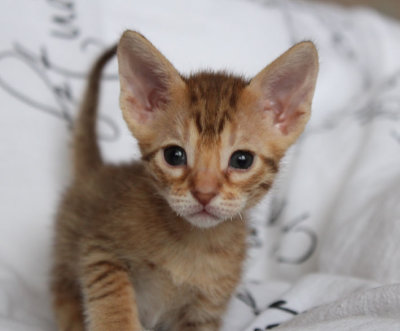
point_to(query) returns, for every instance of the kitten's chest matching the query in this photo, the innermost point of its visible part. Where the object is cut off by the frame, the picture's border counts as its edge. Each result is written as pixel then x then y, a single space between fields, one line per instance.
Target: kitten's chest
pixel 163 286
pixel 154 293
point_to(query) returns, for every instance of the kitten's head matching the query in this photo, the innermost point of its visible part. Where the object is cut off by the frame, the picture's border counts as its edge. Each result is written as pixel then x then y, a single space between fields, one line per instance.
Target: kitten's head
pixel 213 141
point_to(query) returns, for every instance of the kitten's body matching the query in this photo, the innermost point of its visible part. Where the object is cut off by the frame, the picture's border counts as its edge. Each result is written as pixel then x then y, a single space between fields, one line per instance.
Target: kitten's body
pixel 169 261
pixel 124 259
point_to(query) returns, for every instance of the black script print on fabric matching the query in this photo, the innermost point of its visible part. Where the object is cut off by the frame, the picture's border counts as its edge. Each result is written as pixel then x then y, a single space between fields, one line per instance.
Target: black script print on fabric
pixel 53 91
pixel 64 19
pixel 247 297
pixel 295 227
pixel 282 306
pixel 64 103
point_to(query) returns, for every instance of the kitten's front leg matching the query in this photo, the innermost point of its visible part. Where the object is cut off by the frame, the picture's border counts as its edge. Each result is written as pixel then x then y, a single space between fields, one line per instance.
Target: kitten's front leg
pixel 109 298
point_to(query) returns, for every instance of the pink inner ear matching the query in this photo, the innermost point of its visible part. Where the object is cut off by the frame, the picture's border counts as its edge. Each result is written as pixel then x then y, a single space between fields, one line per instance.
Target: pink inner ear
pixel 140 116
pixel 287 86
pixel 287 108
pixel 146 78
pixel 288 96
pixel 149 90
pixel 285 122
pixel 157 99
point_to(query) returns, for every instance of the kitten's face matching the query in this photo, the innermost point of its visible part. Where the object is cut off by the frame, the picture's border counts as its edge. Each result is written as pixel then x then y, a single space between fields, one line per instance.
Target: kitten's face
pixel 211 155
pixel 212 142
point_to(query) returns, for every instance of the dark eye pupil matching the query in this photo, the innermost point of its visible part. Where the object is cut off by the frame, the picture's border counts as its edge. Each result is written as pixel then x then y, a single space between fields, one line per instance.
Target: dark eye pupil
pixel 241 160
pixel 175 155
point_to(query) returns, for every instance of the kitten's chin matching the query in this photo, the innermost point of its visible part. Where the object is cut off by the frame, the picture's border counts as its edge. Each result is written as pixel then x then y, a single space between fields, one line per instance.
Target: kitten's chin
pixel 203 220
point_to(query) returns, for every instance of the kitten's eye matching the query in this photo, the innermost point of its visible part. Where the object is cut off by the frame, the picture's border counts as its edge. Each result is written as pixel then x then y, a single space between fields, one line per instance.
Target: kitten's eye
pixel 175 155
pixel 241 160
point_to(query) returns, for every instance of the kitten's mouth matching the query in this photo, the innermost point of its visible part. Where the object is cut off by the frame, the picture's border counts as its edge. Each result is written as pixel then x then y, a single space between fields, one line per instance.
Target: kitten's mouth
pixel 203 212
pixel 203 219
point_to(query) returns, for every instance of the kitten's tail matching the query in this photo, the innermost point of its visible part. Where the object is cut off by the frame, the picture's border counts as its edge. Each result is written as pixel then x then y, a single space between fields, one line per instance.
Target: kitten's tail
pixel 87 156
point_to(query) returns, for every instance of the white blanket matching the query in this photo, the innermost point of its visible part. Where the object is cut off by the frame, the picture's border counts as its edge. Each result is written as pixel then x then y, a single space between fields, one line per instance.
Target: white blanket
pixel 325 248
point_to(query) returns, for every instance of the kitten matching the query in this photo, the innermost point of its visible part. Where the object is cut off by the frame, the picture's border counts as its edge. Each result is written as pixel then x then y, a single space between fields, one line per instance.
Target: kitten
pixel 159 244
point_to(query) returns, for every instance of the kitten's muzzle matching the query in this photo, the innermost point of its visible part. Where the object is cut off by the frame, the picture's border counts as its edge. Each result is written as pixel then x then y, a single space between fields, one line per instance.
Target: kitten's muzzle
pixel 204 198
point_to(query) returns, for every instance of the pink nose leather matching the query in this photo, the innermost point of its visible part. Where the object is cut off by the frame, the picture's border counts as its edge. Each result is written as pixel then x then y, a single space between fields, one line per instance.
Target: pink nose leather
pixel 206 185
pixel 204 198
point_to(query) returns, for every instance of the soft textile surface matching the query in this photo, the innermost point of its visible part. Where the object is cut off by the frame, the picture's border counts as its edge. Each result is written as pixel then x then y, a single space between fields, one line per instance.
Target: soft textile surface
pixel 325 249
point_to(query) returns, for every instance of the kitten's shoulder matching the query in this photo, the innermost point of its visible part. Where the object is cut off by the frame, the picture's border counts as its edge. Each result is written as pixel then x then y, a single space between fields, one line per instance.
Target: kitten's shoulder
pixel 105 191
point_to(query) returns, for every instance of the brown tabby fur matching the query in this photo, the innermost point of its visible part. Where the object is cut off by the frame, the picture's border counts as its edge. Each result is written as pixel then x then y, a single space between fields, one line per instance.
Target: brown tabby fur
pixel 123 258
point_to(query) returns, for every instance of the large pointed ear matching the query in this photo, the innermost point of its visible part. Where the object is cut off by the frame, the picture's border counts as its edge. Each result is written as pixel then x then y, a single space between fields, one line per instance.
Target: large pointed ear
pixel 286 88
pixel 148 81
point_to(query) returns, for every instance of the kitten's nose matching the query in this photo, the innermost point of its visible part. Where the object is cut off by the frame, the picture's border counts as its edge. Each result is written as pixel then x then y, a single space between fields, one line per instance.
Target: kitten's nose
pixel 205 185
pixel 204 198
